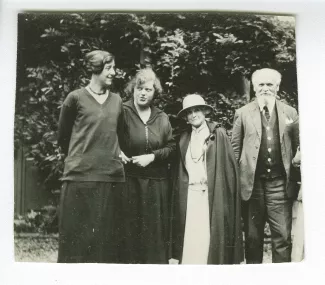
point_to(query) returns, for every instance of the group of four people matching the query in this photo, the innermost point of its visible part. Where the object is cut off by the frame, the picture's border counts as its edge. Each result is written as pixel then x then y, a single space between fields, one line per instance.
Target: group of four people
pixel 133 193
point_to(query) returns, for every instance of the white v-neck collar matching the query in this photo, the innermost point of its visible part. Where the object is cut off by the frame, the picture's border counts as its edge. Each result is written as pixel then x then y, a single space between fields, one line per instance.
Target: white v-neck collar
pixel 99 98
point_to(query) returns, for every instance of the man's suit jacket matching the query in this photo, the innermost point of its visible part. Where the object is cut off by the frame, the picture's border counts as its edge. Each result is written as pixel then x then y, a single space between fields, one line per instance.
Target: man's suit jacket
pixel 246 141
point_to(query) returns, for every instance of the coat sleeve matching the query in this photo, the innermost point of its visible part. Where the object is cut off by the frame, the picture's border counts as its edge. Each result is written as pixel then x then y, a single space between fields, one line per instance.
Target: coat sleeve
pixel 121 127
pixel 174 227
pixel 231 173
pixel 295 139
pixel 171 211
pixel 237 135
pixel 66 121
pixel 295 175
pixel 168 150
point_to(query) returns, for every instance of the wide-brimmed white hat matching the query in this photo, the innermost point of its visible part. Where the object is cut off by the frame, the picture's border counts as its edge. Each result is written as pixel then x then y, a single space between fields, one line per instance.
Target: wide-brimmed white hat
pixel 194 100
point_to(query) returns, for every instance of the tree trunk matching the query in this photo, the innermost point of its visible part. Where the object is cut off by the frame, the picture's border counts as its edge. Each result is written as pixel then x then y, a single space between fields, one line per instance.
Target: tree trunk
pixel 145 60
pixel 246 87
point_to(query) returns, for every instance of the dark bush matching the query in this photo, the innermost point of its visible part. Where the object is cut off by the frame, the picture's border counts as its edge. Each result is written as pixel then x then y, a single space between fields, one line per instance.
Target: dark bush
pixel 44 220
pixel 207 53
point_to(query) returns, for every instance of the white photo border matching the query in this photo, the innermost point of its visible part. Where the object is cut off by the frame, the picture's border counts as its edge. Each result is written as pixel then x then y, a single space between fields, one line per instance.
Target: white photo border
pixel 310 27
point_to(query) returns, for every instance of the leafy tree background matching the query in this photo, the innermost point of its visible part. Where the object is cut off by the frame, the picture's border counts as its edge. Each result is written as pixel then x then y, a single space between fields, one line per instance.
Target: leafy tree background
pixel 213 54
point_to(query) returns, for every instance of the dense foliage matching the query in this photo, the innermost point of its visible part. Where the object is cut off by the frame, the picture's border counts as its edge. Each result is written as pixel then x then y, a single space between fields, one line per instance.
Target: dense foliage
pixel 44 220
pixel 208 53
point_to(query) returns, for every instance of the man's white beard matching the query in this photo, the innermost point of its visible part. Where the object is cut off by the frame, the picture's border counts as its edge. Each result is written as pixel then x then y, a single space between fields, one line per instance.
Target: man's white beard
pixel 267 99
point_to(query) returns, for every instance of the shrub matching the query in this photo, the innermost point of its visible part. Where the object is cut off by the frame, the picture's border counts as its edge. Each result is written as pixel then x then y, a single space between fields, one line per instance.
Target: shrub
pixel 208 53
pixel 44 220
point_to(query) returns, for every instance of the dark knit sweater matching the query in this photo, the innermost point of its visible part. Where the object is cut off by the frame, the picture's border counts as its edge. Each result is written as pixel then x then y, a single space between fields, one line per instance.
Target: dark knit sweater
pixel 88 136
pixel 153 137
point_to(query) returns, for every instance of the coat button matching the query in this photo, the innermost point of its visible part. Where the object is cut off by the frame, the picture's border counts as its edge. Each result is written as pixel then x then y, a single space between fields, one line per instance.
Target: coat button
pixel 269 149
pixel 269 170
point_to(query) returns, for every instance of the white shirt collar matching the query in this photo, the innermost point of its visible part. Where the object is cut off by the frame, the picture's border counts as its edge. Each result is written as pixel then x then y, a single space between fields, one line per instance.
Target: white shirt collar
pixel 270 103
pixel 200 128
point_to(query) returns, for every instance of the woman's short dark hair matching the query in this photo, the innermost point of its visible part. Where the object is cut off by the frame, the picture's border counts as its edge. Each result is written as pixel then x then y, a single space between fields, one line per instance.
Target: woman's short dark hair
pixel 143 76
pixel 96 60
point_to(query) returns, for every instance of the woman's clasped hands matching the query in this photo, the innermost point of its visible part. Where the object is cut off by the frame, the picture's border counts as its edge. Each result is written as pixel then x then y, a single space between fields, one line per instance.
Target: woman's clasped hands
pixel 140 160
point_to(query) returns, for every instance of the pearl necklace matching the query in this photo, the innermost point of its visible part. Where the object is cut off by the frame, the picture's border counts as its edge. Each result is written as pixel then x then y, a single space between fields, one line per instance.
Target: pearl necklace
pixel 96 92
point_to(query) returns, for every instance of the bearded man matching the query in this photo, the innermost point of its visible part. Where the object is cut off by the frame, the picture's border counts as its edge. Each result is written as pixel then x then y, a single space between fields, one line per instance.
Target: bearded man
pixel 265 141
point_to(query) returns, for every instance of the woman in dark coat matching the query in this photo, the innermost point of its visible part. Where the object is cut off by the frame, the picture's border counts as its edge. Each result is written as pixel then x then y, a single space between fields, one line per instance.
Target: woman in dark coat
pixel 148 142
pixel 89 212
pixel 205 224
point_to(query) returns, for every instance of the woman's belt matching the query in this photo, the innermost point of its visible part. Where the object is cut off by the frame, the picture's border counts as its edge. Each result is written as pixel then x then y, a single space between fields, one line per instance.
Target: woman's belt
pixel 200 186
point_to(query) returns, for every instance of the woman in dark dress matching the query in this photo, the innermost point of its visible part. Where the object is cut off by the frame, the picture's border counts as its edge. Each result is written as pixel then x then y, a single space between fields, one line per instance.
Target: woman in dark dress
pixel 89 212
pixel 205 227
pixel 148 142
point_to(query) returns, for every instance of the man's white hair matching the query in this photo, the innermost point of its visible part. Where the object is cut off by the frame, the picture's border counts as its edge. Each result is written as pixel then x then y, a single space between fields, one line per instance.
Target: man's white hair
pixel 266 72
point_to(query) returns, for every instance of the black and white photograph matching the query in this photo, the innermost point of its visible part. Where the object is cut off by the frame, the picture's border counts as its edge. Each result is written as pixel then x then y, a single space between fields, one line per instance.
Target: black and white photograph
pixel 157 138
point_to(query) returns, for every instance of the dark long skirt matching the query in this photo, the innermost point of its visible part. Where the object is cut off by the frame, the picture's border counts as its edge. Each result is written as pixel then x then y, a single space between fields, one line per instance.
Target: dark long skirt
pixel 89 222
pixel 146 214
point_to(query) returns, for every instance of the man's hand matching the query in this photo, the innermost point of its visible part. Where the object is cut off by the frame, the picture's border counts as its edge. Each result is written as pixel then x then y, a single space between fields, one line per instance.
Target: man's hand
pixel 173 261
pixel 143 160
pixel 299 198
pixel 297 159
pixel 124 158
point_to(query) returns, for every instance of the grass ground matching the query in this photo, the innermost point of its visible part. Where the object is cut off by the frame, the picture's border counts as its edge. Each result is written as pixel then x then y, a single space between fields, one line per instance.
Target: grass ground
pixel 31 248
pixel 40 248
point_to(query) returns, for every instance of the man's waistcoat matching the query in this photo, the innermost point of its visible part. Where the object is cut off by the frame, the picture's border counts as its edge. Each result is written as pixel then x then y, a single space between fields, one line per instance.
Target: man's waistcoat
pixel 269 163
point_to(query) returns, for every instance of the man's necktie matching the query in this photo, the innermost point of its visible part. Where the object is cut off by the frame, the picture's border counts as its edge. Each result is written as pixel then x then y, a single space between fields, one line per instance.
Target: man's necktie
pixel 266 113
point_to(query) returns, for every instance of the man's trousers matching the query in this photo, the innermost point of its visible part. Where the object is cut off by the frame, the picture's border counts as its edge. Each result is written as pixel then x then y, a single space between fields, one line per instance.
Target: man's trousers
pixel 268 203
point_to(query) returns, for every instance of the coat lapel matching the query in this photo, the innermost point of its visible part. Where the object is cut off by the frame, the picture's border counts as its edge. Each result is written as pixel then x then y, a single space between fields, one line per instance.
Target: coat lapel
pixel 183 144
pixel 281 117
pixel 256 118
pixel 210 163
pixel 183 177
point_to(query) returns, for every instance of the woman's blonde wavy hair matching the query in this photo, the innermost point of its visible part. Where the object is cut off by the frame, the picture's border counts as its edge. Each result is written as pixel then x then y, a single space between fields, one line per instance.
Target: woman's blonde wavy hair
pixel 143 76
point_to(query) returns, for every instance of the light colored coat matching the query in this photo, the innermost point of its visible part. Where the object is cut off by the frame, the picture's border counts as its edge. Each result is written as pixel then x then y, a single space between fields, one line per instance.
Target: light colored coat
pixel 246 142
